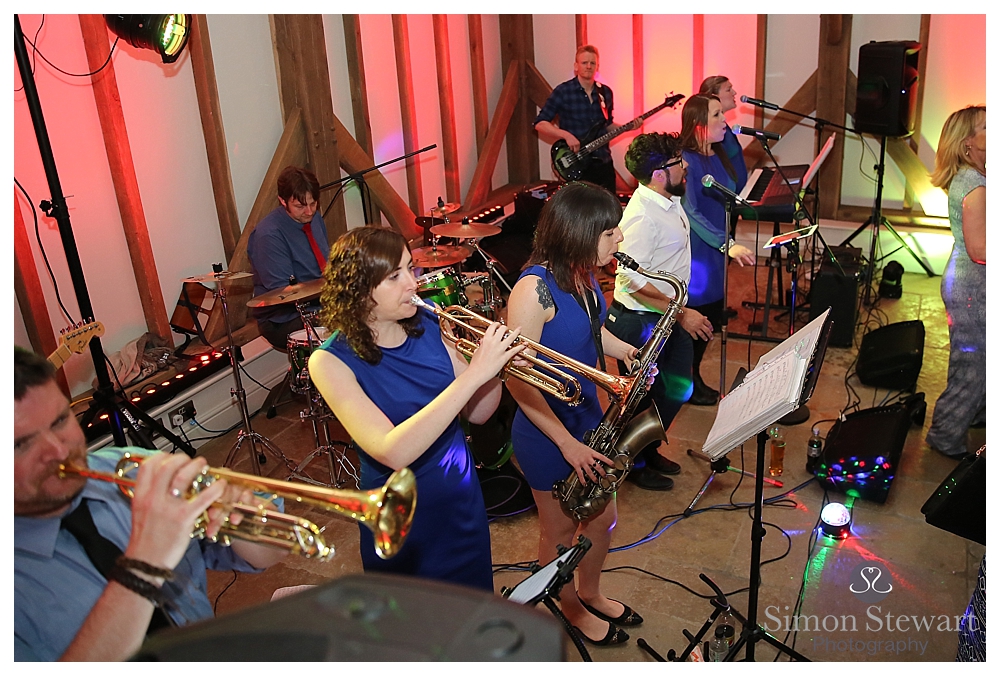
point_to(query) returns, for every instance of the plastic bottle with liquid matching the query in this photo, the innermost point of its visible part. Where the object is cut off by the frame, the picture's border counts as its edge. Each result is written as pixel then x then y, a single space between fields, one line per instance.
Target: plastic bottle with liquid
pixel 777 465
pixel 718 648
pixel 728 623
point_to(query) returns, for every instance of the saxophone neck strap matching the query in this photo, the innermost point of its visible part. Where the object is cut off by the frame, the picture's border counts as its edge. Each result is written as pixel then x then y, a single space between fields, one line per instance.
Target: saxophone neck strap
pixel 588 301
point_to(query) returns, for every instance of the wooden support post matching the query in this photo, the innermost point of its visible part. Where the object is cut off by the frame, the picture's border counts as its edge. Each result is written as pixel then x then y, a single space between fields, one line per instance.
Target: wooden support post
pixel 407 110
pixel 830 102
pixel 517 44
pixel 359 93
pixel 112 118
pixel 31 297
pixel 480 100
pixel 207 90
pixel 581 30
pixel 479 188
pixel 760 74
pixel 446 101
pixel 802 100
pixel 914 139
pixel 697 51
pixel 304 83
pixel 638 72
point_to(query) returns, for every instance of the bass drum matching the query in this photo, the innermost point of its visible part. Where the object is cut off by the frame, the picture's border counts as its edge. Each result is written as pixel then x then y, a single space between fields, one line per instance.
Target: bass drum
pixel 490 442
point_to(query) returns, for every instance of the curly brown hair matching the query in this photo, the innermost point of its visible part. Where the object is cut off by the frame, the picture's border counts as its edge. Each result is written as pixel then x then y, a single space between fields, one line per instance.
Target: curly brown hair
pixel 568 231
pixel 359 261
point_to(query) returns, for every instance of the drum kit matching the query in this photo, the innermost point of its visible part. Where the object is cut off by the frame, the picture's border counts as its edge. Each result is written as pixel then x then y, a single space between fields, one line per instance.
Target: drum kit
pixel 445 283
pixel 300 346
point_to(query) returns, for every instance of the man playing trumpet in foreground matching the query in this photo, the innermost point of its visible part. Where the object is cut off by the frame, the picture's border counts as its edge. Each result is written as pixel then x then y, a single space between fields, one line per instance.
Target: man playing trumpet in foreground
pixel 77 596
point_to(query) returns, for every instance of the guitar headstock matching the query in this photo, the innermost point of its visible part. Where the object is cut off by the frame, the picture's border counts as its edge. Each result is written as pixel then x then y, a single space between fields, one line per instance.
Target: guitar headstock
pixel 78 336
pixel 673 99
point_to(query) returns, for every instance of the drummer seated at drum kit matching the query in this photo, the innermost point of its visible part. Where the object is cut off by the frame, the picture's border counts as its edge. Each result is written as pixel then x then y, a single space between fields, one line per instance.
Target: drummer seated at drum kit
pixel 289 246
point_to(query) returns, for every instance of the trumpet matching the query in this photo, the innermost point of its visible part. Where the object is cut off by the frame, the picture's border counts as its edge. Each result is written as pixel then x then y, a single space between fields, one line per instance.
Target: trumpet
pixel 386 511
pixel 553 377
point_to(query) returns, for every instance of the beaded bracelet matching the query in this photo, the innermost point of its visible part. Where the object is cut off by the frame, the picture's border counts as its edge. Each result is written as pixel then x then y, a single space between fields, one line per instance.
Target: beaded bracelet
pixel 143 567
pixel 136 584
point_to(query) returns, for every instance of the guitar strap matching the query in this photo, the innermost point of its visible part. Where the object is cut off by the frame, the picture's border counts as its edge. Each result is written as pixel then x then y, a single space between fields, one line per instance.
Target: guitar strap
pixel 604 105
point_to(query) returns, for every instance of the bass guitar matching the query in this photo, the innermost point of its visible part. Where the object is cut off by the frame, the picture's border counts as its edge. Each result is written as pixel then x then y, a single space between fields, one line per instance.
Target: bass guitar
pixel 569 166
pixel 74 340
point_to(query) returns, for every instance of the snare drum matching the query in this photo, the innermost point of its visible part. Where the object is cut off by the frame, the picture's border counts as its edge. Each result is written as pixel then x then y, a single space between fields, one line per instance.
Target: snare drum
pixel 299 349
pixel 442 286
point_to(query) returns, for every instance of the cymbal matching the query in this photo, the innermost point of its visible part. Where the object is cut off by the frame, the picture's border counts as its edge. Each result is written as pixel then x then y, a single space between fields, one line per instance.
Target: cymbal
pixel 465 230
pixel 427 221
pixel 293 293
pixel 225 276
pixel 448 208
pixel 436 257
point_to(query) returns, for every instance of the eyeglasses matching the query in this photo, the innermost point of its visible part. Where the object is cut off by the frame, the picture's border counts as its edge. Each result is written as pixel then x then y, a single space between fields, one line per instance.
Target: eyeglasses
pixel 671 163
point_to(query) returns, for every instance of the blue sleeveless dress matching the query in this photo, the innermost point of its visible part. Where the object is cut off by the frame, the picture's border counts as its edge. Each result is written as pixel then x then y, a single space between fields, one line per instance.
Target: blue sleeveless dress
pixel 450 536
pixel 569 334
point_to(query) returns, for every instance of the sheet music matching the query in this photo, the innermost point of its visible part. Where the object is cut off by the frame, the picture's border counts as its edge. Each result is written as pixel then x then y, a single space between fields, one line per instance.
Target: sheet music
pixel 767 393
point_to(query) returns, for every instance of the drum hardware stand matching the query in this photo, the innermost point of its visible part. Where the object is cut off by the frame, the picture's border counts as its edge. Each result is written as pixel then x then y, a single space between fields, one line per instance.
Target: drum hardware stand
pixel 319 415
pixel 123 415
pixel 359 179
pixel 721 605
pixel 492 264
pixel 545 583
pixel 258 442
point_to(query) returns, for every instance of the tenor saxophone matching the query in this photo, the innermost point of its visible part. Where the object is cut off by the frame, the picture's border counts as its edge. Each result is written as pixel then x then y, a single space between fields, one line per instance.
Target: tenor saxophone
pixel 621 434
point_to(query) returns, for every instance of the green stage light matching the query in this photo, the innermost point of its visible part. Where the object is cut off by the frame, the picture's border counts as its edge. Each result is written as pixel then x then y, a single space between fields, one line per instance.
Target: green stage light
pixel 165 34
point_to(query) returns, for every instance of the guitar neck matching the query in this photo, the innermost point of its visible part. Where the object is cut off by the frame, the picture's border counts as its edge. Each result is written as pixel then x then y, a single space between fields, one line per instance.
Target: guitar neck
pixel 628 126
pixel 59 357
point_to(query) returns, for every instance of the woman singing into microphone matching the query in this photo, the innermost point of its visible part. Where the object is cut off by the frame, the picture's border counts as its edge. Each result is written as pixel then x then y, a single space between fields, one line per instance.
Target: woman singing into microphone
pixel 398 388
pixel 703 129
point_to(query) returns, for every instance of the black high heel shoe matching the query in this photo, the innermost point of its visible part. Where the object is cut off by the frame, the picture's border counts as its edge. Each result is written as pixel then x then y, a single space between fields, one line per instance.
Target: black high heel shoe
pixel 615 636
pixel 628 618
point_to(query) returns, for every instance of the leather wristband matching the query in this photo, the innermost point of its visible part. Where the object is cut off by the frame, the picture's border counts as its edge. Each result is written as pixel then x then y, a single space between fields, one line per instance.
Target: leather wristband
pixel 136 584
pixel 143 567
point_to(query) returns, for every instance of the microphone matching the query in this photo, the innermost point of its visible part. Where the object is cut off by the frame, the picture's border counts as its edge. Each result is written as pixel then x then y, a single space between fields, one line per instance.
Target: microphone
pixel 758 133
pixel 760 103
pixel 709 182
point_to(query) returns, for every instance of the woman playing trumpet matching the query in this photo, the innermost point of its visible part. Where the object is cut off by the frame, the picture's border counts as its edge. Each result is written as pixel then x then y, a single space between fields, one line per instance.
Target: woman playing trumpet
pixel 398 389
pixel 558 303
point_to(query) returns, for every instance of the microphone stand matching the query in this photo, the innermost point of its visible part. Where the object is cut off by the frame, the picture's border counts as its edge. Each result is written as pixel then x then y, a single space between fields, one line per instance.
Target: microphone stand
pixel 359 180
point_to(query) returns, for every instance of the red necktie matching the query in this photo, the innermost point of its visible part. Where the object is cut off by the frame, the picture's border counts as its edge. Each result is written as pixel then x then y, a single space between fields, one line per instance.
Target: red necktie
pixel 320 258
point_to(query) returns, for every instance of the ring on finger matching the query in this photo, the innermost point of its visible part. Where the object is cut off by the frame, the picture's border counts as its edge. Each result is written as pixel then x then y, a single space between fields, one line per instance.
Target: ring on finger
pixel 176 492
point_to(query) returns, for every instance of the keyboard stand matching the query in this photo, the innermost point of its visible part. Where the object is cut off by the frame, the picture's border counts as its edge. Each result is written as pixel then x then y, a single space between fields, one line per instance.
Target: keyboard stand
pixel 774 268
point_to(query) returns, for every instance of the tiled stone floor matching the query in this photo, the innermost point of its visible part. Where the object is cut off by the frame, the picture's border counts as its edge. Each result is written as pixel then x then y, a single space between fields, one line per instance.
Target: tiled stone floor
pixel 933 571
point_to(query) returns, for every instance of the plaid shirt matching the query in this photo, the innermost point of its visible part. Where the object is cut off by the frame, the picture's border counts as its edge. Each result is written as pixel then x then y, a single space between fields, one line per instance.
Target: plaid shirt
pixel 578 113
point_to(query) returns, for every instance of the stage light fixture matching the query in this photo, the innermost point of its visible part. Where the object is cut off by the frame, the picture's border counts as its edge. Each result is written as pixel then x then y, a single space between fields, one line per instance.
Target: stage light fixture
pixel 892 281
pixel 835 521
pixel 165 34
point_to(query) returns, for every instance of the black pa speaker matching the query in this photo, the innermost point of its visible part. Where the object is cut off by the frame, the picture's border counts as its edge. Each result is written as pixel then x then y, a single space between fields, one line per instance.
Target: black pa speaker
pixel 959 503
pixel 369 618
pixel 891 356
pixel 839 292
pixel 887 88
pixel 862 452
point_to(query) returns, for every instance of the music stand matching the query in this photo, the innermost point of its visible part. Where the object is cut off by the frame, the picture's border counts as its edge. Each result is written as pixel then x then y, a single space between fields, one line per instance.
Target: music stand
pixel 545 583
pixel 793 366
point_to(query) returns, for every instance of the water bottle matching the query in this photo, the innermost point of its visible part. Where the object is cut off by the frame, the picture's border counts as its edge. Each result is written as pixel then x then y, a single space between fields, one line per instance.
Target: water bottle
pixel 814 449
pixel 719 647
pixel 777 465
pixel 727 623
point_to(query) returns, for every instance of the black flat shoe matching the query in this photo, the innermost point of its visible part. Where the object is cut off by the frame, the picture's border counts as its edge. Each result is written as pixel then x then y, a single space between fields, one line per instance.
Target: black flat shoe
pixel 615 636
pixel 703 395
pixel 628 618
pixel 649 480
pixel 658 463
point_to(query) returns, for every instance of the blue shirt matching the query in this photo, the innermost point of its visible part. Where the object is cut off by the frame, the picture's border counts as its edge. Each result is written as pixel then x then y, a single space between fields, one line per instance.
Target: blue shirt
pixel 56 585
pixel 579 113
pixel 278 248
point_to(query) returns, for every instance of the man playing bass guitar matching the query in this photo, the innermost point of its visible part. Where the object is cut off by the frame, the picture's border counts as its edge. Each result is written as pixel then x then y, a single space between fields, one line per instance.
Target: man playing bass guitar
pixel 584 107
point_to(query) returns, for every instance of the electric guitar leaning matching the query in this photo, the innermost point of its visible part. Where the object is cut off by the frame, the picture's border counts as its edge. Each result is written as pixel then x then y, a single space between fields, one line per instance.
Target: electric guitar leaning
pixel 74 340
pixel 570 166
